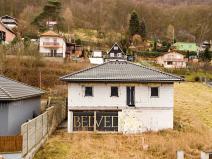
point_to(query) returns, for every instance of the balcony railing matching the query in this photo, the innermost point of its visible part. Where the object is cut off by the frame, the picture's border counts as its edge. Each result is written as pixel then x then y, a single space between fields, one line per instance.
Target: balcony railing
pixel 51 44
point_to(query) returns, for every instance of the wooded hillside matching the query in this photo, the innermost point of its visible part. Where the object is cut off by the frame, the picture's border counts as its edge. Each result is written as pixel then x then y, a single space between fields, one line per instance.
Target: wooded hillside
pixel 191 18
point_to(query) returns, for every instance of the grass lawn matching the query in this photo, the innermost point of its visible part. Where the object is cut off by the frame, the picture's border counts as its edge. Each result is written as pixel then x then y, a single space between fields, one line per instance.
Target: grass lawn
pixel 192 133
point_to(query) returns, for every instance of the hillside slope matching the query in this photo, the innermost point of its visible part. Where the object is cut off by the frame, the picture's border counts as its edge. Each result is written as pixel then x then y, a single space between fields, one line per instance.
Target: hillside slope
pixel 192 133
pixel 190 18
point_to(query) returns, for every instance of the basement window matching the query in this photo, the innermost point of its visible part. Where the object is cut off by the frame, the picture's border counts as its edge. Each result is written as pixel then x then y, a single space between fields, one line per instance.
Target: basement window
pixel 114 92
pixel 154 92
pixel 88 91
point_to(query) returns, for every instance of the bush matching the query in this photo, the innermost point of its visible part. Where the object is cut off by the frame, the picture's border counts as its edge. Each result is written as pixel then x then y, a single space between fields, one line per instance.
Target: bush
pixel 197 79
pixel 152 54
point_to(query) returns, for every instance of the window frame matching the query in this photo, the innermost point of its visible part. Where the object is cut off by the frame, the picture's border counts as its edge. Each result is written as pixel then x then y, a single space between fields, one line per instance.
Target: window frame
pixel 116 48
pixel 157 92
pixel 169 63
pixel 119 54
pixel 92 94
pixel 111 91
pixel 112 54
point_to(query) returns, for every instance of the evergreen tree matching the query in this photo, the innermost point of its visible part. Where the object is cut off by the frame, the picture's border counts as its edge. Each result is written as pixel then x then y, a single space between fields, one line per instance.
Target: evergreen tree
pixel 51 12
pixel 206 56
pixel 134 24
pixel 155 45
pixel 142 30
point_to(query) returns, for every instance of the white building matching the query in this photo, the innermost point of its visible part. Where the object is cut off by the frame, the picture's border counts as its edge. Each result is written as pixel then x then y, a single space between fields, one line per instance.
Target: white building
pixel 52 44
pixel 172 60
pixel 120 96
pixel 96 58
pixel 9 22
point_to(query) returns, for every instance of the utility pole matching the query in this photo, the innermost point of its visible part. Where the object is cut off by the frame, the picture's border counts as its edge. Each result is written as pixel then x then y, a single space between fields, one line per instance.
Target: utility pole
pixel 40 78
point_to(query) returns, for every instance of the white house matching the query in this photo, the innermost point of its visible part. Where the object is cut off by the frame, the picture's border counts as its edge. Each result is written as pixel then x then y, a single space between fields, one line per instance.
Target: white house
pixel 96 58
pixel 120 96
pixel 9 22
pixel 172 60
pixel 52 44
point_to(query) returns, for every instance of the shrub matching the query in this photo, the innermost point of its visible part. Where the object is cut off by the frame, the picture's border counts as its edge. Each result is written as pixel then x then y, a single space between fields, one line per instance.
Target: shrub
pixel 196 78
pixel 149 54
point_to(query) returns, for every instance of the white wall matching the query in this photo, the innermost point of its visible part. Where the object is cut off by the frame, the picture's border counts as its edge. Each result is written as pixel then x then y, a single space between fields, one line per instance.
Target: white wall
pixel 45 50
pixel 141 120
pixel 149 114
pixel 101 95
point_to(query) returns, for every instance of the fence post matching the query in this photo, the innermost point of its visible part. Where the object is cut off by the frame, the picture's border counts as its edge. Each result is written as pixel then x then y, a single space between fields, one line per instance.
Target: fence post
pixel 180 154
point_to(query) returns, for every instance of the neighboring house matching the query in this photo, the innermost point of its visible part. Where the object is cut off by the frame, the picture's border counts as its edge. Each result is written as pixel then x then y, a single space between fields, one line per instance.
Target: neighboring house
pixel 116 53
pixel 205 44
pixel 9 21
pixel 185 47
pixel 73 50
pixel 51 24
pixel 18 103
pixel 52 44
pixel 96 58
pixel 120 96
pixel 6 34
pixel 172 60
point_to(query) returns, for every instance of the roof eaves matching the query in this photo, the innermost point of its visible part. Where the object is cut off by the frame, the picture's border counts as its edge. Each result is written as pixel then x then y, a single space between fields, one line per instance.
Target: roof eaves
pixel 124 81
pixel 19 98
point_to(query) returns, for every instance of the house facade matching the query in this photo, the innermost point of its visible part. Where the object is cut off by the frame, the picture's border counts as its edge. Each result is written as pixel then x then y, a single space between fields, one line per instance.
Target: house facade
pixel 9 21
pixel 18 103
pixel 120 96
pixel 172 60
pixel 6 34
pixel 116 53
pixel 52 44
pixel 96 58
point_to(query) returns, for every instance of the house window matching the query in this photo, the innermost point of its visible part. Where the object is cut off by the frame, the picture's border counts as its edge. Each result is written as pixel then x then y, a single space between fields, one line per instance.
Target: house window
pixel 154 92
pixel 114 92
pixel 111 54
pixel 88 91
pixel 116 48
pixel 119 55
pixel 169 63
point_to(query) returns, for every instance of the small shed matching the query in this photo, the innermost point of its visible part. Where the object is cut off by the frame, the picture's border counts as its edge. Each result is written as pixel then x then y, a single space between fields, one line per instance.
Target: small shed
pixel 18 103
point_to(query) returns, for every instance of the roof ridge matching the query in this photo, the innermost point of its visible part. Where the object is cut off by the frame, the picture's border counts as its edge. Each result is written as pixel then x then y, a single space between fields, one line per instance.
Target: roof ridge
pixel 6 92
pixel 83 70
pixel 41 91
pixel 156 70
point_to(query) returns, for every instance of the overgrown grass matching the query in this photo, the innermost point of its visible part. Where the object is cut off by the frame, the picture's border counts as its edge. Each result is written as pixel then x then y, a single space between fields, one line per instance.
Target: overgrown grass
pixel 192 133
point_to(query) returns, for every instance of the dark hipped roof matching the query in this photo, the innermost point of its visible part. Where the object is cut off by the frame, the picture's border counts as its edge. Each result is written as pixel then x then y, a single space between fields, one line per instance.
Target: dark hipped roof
pixel 14 90
pixel 120 71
